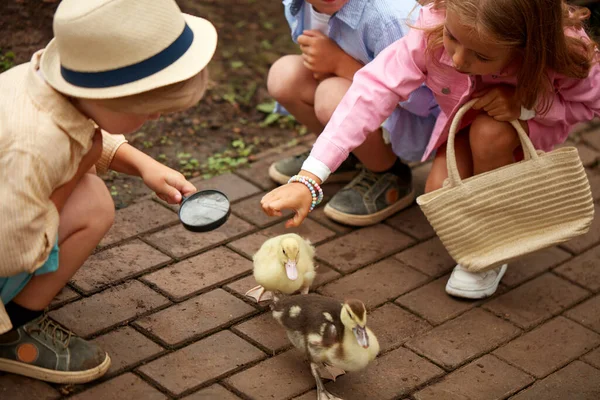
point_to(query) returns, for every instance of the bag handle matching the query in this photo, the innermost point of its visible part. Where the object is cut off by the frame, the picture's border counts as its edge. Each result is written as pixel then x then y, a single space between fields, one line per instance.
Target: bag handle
pixel 453 175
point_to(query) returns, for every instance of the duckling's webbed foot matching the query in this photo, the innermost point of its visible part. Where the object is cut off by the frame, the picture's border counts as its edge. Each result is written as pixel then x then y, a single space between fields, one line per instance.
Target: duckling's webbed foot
pixel 322 393
pixel 259 294
pixel 330 372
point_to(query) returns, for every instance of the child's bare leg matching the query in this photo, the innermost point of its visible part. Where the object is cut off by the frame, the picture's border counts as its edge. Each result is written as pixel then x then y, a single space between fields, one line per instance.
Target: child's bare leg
pixel 293 86
pixel 374 153
pixel 439 171
pixel 85 219
pixel 492 143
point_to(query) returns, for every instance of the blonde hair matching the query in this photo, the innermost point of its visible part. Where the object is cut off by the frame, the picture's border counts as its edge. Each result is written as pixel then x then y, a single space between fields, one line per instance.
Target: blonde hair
pixel 535 29
pixel 172 98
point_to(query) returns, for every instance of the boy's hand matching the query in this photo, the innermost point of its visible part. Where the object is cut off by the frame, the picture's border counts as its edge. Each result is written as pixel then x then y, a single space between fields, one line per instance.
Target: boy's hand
pixel 321 54
pixel 167 183
pixel 498 102
pixel 292 196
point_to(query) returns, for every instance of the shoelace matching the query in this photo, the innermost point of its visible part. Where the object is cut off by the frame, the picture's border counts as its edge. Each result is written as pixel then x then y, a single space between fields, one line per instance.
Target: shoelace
pixel 54 331
pixel 364 181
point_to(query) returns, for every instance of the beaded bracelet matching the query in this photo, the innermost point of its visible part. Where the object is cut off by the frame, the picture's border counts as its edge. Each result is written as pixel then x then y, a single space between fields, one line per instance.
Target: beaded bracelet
pixel 315 190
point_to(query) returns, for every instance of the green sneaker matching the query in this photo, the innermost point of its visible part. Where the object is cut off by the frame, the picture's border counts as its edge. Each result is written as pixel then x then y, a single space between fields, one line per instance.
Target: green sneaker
pixel 43 350
pixel 371 197
pixel 281 171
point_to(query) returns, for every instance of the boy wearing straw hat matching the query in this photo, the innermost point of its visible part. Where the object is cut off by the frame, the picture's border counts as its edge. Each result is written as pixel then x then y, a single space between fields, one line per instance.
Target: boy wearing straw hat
pixel 113 65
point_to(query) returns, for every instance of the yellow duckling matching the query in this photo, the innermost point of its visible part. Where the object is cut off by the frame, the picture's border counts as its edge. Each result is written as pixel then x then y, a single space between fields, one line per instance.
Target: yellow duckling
pixel 283 264
pixel 333 335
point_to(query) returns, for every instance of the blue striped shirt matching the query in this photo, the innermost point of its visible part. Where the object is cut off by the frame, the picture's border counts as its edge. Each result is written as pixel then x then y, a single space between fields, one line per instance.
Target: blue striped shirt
pixel 363 28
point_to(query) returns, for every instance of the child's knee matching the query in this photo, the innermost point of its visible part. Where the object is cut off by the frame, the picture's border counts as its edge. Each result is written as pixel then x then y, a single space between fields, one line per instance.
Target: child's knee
pixel 281 81
pixel 100 209
pixel 488 136
pixel 328 96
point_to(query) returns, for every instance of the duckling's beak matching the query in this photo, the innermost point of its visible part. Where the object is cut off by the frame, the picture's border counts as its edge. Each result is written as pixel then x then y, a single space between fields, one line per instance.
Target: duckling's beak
pixel 291 270
pixel 361 336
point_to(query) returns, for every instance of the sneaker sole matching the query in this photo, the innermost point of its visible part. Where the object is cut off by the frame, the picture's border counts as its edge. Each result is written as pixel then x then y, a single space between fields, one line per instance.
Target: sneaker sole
pixel 49 375
pixel 371 219
pixel 476 294
pixel 338 177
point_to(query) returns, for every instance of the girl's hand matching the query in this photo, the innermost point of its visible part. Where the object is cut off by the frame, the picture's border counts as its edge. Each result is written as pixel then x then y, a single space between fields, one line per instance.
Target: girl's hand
pixel 498 102
pixel 167 183
pixel 321 54
pixel 292 196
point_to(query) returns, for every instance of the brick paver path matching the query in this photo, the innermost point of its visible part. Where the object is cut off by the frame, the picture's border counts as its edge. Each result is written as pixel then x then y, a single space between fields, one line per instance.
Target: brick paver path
pixel 167 305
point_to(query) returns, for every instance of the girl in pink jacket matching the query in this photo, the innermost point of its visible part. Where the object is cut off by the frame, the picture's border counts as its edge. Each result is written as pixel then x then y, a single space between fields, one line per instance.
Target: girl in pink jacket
pixel 529 60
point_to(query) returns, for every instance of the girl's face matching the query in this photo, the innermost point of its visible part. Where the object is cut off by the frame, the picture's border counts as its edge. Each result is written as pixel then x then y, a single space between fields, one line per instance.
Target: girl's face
pixel 471 55
pixel 327 6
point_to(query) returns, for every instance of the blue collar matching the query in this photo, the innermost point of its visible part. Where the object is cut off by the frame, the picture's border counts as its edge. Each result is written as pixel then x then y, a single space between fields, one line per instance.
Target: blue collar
pixel 351 13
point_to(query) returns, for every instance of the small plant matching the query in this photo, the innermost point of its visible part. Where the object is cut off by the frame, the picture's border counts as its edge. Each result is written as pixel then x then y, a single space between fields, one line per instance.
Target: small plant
pixel 7 60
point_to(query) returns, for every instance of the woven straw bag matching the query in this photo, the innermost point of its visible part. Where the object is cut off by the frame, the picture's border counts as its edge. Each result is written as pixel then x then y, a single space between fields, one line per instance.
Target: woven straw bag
pixel 494 217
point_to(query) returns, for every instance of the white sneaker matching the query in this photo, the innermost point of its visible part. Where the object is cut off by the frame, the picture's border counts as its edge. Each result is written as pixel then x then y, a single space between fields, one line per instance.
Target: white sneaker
pixel 474 285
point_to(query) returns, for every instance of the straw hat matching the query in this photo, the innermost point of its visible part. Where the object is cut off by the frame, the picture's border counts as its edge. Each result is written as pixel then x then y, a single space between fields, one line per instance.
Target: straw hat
pixel 115 48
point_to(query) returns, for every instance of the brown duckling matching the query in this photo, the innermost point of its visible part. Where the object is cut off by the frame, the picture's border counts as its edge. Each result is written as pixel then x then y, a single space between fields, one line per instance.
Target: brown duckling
pixel 283 264
pixel 330 333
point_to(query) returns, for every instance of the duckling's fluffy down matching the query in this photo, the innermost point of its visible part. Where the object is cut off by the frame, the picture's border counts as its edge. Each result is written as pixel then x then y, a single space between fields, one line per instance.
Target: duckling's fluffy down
pixel 269 270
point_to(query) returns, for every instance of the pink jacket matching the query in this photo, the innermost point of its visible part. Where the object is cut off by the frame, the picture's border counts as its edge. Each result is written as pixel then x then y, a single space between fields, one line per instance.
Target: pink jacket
pixel 403 67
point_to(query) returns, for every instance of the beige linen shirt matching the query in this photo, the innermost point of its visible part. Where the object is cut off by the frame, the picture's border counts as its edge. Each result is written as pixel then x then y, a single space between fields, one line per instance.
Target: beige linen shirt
pixel 43 138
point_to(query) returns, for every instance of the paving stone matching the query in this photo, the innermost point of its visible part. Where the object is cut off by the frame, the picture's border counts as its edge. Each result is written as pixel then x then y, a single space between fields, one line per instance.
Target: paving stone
pixel 133 220
pixel 319 215
pixel 583 269
pixel 536 300
pixel 413 222
pixel 205 360
pixel 127 386
pixel 180 242
pixel 234 187
pixel 65 295
pixel 266 331
pixel 15 387
pixel 433 303
pixel 549 346
pixel 487 378
pixel 281 377
pixel 117 263
pixel 389 376
pixel 200 272
pixel 214 392
pixel 362 247
pixel 241 286
pixel 592 137
pixel 430 257
pixel 251 211
pixel 593 175
pixel 194 317
pixel 576 381
pixel 533 264
pixel 324 275
pixel 258 172
pixel 309 229
pixel 393 326
pixel 376 284
pixel 588 155
pixel 461 339
pixel 587 313
pixel 312 395
pixel 126 347
pixel 584 242
pixel 593 357
pixel 108 308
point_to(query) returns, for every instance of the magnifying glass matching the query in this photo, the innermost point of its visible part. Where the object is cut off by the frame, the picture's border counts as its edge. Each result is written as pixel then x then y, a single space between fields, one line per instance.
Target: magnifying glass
pixel 204 210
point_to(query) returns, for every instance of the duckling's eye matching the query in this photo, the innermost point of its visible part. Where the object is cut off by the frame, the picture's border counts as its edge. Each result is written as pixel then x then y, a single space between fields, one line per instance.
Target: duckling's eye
pixel 350 315
pixel 284 252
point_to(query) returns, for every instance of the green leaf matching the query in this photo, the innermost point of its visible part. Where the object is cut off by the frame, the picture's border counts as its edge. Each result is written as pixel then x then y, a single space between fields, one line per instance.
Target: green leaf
pixel 270 120
pixel 237 64
pixel 267 107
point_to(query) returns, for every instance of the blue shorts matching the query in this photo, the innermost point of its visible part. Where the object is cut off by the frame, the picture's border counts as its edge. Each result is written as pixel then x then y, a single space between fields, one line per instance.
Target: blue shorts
pixel 12 285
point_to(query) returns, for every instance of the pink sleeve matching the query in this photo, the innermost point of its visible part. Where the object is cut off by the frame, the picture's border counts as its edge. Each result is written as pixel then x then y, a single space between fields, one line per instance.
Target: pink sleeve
pixel 576 100
pixel 376 90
